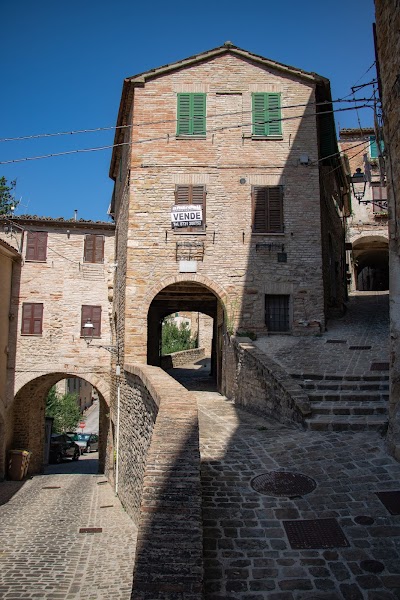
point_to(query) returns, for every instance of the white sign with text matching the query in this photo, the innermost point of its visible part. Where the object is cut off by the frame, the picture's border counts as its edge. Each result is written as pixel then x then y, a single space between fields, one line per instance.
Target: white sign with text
pixel 187 215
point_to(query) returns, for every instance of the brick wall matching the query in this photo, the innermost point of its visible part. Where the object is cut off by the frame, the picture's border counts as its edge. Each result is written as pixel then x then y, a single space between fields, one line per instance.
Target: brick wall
pixel 160 483
pixel 261 386
pixel 388 50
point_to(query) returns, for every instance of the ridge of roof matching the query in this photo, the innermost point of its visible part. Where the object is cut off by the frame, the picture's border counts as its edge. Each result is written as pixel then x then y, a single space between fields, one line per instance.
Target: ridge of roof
pixel 56 220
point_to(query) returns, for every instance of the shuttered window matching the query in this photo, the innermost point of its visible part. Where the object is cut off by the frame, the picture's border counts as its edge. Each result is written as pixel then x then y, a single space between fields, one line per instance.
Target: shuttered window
pixel 192 194
pixel 267 209
pixel 32 318
pixel 36 246
pixel 277 312
pixel 373 147
pixel 267 115
pixel 94 249
pixel 191 114
pixel 92 314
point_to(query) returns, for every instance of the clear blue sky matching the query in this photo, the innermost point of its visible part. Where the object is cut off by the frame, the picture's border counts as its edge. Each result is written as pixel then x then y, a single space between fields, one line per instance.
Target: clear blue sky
pixel 63 65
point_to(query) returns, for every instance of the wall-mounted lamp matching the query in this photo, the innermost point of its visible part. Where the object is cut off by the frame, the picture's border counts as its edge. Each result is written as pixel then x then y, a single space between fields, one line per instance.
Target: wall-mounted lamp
pixel 88 330
pixel 358 185
pixel 304 159
pixel 68 233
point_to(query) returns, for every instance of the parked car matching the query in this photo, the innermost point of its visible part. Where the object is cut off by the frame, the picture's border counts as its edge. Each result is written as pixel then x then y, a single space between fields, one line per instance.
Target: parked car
pixel 86 441
pixel 62 446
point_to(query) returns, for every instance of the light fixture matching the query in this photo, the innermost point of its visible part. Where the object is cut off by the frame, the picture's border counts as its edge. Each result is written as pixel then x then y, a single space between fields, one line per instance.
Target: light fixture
pixel 358 185
pixel 88 330
pixel 304 159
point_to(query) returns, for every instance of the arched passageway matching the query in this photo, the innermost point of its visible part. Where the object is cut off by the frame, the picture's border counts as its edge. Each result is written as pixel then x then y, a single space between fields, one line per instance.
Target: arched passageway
pixel 371 263
pixel 29 430
pixel 186 296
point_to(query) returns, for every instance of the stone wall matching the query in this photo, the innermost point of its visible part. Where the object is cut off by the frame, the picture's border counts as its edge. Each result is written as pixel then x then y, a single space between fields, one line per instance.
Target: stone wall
pixel 261 386
pixel 388 51
pixel 159 470
pixel 178 359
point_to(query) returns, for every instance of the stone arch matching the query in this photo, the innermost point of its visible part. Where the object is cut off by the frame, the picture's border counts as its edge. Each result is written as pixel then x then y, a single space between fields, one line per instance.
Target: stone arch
pixel 187 293
pixel 29 414
pixel 371 262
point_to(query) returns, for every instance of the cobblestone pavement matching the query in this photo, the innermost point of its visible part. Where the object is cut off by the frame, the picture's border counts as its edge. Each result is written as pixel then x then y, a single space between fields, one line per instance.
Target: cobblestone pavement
pixel 42 553
pixel 248 555
pixel 366 323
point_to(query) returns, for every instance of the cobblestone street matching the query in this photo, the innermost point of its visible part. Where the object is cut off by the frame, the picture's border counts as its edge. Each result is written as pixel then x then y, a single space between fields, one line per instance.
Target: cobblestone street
pixel 42 553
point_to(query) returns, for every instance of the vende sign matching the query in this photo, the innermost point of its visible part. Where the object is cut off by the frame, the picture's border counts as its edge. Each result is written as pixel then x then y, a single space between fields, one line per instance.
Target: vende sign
pixel 187 215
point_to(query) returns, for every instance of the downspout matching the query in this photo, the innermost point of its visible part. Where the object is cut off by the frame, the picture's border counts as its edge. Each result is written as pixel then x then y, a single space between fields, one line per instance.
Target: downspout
pixel 118 373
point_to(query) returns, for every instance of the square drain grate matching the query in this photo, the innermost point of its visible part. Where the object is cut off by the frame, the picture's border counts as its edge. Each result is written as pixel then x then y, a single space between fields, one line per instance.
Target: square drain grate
pixel 359 347
pixel 90 530
pixel 379 366
pixel 315 534
pixel 391 501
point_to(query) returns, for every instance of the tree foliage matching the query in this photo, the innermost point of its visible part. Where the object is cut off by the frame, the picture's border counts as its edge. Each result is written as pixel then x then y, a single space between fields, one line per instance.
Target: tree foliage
pixel 174 338
pixel 7 199
pixel 64 409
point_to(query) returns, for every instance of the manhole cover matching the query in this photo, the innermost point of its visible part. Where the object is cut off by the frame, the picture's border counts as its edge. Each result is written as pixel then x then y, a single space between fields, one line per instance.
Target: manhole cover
pixel 364 520
pixel 90 530
pixel 391 501
pixel 315 534
pixel 372 566
pixel 379 366
pixel 283 483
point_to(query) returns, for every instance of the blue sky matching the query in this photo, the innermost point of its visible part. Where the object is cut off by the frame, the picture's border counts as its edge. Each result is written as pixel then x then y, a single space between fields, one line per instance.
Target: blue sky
pixel 63 65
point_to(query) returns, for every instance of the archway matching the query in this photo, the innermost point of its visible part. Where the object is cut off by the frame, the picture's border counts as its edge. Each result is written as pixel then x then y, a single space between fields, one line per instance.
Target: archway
pixel 29 419
pixel 371 263
pixel 189 297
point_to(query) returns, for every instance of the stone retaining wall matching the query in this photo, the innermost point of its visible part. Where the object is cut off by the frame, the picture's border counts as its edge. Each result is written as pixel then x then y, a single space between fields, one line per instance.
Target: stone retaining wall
pixel 178 359
pixel 261 386
pixel 168 561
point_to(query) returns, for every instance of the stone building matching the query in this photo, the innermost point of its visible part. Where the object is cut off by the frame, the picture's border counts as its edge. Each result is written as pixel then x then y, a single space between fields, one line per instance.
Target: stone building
pixel 229 199
pixel 66 277
pixel 388 58
pixel 10 264
pixel 367 227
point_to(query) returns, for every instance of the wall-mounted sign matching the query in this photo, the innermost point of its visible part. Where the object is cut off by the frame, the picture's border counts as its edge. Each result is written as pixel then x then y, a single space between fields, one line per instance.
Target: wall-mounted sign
pixel 187 215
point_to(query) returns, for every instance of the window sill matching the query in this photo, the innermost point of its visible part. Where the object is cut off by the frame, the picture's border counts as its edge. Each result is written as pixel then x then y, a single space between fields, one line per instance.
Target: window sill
pixel 273 233
pixel 189 233
pixel 263 137
pixel 191 137
pixel 34 260
pixel 32 334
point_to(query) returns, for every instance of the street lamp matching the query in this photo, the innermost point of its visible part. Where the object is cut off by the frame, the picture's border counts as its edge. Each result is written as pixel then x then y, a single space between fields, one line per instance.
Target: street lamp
pixel 88 330
pixel 358 185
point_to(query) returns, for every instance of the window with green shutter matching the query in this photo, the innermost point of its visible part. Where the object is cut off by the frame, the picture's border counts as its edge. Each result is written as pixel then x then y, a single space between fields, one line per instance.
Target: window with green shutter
pixel 267 209
pixel 267 115
pixel 373 147
pixel 191 115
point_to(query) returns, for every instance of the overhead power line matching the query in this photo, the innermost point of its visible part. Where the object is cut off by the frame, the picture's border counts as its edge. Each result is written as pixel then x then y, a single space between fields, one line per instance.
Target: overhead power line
pixel 169 136
pixel 147 123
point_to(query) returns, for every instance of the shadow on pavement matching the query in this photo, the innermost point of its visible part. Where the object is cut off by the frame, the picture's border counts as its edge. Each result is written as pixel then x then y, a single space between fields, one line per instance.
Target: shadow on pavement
pixel 8 489
pixel 86 465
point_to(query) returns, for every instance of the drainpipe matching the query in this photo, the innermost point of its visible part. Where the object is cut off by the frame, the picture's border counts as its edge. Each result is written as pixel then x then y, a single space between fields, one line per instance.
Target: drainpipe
pixel 117 372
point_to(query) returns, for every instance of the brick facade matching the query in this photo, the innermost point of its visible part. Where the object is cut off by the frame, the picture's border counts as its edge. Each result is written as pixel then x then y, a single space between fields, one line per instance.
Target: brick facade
pixel 388 52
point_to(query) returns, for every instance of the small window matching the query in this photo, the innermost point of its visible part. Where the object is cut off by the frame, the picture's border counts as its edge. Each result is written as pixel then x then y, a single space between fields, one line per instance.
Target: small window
pixel 267 119
pixel 379 197
pixel 32 318
pixel 189 219
pixel 267 209
pixel 94 249
pixel 92 314
pixel 277 312
pixel 191 117
pixel 36 246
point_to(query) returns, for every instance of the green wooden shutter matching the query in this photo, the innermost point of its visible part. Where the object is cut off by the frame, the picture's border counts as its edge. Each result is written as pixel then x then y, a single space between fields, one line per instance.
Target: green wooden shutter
pixel 373 147
pixel 191 114
pixel 267 114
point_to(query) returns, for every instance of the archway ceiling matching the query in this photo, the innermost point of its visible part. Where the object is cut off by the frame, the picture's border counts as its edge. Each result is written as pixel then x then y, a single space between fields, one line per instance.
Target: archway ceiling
pixel 185 296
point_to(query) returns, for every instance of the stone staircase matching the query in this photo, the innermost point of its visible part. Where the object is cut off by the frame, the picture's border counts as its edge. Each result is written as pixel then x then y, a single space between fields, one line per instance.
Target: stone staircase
pixel 346 402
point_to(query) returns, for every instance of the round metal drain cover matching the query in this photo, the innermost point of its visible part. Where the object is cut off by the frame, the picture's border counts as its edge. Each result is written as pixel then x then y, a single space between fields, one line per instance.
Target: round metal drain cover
pixel 364 520
pixel 283 483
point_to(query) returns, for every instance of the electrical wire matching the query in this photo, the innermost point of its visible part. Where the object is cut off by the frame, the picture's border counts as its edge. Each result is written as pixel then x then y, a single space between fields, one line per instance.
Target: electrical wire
pixel 145 124
pixel 168 136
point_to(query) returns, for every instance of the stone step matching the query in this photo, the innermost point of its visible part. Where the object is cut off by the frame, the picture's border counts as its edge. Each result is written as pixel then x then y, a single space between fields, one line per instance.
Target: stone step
pixel 347 396
pixel 330 377
pixel 348 423
pixel 368 386
pixel 349 408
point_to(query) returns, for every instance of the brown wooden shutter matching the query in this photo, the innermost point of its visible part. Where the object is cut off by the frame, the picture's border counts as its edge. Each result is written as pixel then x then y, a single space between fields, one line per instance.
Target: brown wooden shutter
pixel 275 209
pixel 32 318
pixel 182 194
pixel 99 249
pixel 192 194
pixel 94 248
pixel 36 246
pixel 89 248
pixel 259 209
